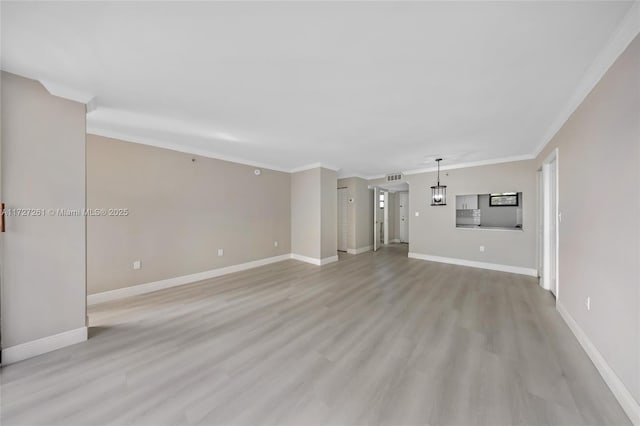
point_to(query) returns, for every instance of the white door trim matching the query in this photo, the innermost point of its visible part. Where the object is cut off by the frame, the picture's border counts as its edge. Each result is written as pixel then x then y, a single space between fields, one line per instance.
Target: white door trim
pixel 376 213
pixel 551 214
pixel 386 216
pixel 540 229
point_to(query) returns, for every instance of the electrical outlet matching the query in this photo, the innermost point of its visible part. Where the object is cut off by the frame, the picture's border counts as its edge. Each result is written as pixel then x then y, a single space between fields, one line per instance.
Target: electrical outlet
pixel 220 252
pixel 588 303
pixel 275 244
pixel 482 249
pixel 137 264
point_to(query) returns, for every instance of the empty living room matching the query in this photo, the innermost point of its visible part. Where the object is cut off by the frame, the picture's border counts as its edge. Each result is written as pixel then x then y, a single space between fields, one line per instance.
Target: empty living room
pixel 307 213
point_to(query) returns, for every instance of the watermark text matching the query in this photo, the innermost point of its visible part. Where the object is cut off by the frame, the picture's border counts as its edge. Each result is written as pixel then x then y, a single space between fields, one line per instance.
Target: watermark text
pixel 64 212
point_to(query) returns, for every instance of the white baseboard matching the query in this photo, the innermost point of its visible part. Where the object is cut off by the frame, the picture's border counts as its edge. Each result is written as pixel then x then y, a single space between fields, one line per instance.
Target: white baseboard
pixel 134 290
pixel 619 390
pixel 307 259
pixel 360 250
pixel 314 260
pixel 328 260
pixel 483 265
pixel 41 346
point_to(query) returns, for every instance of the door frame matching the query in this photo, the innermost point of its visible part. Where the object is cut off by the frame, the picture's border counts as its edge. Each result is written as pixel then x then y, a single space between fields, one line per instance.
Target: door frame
pixel 540 228
pixel 376 213
pixel 385 237
pixel 551 215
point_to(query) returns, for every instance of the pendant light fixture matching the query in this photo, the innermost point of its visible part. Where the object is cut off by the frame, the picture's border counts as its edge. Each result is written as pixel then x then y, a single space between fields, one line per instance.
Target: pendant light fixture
pixel 439 192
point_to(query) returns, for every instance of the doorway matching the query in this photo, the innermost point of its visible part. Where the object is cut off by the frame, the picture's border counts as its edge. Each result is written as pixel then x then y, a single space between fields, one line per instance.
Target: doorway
pixel 550 219
pixel 376 218
pixel 390 214
pixel 385 206
pixel 380 217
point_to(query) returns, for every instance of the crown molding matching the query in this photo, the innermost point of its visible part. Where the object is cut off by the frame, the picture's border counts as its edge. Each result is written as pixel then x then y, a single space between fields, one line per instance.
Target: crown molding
pixel 55 88
pixel 67 92
pixel 472 164
pixel 355 175
pixel 628 29
pixel 305 167
pixel 350 175
pixel 99 131
pixel 377 177
pixel 107 133
pixel 313 166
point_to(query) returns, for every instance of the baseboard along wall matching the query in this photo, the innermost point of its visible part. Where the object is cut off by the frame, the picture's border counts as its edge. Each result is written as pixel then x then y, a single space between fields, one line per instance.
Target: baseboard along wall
pixel 474 264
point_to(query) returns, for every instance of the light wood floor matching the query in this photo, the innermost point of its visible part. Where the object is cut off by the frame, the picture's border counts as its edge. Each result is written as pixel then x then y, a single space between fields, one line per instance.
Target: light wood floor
pixel 373 339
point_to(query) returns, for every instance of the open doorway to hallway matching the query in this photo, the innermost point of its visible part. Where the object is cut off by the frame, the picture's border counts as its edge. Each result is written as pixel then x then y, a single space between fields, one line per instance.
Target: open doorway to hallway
pixel 391 214
pixel 354 216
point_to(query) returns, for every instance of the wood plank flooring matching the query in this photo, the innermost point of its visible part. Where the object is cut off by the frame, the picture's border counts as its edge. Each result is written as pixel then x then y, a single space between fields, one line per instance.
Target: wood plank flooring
pixel 374 339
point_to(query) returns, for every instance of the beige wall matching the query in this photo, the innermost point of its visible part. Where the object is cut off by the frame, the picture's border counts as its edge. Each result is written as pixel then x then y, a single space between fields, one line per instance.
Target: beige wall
pixel 181 213
pixel 348 183
pixel 306 213
pixel 394 216
pixel 329 214
pixel 314 213
pixel 43 167
pixel 364 213
pixel 360 212
pixel 434 231
pixel 599 198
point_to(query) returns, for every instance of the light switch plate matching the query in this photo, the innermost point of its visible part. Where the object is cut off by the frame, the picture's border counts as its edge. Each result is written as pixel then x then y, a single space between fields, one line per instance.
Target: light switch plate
pixel 220 252
pixel 417 213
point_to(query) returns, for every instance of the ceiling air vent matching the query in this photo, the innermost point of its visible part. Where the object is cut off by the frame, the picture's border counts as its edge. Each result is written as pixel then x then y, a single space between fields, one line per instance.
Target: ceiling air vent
pixel 394 177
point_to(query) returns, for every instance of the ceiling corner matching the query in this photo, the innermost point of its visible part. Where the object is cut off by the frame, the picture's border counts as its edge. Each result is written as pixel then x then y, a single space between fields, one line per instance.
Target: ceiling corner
pixel 67 92
pixel 628 29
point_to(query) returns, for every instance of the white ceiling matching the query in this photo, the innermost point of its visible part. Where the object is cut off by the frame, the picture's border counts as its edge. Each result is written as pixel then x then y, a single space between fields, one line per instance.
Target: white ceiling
pixel 367 88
